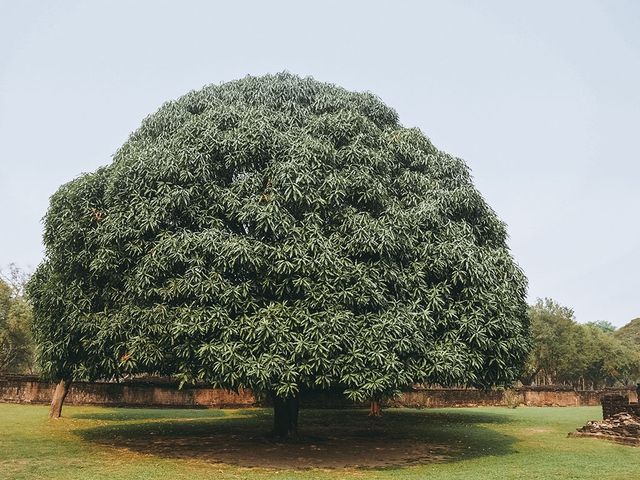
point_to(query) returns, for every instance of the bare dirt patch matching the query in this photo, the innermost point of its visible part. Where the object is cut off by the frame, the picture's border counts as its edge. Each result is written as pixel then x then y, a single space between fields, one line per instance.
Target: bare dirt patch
pixel 536 430
pixel 356 451
pixel 342 440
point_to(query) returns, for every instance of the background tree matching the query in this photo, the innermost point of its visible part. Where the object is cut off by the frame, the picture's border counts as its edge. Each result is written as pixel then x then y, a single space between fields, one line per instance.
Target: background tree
pixel 554 339
pixel 604 360
pixel 603 325
pixel 277 233
pixel 630 333
pixel 582 355
pixel 16 341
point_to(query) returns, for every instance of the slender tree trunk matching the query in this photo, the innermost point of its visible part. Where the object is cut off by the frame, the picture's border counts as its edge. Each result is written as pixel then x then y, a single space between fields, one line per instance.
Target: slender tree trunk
pixel 285 417
pixel 58 398
pixel 375 410
pixel 527 380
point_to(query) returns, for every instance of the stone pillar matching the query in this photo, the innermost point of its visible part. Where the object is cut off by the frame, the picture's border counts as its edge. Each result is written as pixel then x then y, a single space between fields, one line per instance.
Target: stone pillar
pixel 613 403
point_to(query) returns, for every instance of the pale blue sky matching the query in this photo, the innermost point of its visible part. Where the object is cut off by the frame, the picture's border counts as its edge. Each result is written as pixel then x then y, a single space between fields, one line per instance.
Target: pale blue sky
pixel 542 100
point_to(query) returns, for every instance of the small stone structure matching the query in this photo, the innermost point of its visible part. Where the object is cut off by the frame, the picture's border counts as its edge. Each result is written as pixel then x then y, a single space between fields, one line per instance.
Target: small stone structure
pixel 620 421
pixel 620 428
pixel 616 403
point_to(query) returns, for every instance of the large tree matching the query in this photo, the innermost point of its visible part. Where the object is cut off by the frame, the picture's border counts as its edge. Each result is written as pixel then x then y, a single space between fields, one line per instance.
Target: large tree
pixel 278 233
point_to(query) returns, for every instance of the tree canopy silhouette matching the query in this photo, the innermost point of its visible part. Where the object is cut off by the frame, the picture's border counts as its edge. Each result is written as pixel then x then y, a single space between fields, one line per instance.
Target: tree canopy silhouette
pixel 278 233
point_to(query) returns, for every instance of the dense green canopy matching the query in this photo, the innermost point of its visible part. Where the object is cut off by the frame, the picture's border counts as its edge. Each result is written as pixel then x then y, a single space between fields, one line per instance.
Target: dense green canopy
pixel 16 344
pixel 588 354
pixel 630 333
pixel 279 233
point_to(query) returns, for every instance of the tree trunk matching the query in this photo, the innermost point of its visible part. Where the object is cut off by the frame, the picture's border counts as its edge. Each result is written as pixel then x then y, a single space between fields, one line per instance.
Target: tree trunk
pixel 58 398
pixel 285 417
pixel 527 380
pixel 375 410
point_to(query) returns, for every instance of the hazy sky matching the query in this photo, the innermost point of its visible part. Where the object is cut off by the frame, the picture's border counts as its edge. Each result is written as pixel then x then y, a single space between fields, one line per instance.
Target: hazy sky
pixel 542 100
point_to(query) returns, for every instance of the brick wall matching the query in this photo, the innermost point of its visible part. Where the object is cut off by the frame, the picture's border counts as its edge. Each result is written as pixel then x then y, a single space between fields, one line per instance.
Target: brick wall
pixel 15 389
pixel 20 389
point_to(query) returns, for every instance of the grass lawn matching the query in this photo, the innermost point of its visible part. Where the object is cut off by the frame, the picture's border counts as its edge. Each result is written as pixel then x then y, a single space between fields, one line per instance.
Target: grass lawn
pixel 468 443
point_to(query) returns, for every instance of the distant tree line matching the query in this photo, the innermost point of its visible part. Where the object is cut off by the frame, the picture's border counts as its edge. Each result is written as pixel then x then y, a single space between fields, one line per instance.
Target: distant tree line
pixel 592 355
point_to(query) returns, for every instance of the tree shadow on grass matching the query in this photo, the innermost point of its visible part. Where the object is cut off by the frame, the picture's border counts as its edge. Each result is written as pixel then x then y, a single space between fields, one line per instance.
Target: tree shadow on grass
pixel 127 414
pixel 329 438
